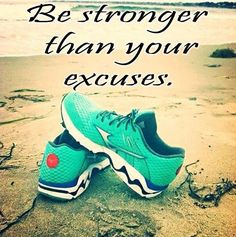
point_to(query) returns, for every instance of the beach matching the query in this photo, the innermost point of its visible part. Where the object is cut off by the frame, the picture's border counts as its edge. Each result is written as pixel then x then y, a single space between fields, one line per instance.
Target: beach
pixel 197 112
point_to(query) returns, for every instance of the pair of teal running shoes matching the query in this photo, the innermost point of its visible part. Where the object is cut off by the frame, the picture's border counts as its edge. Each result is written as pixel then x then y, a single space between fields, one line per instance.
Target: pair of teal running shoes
pixel 94 139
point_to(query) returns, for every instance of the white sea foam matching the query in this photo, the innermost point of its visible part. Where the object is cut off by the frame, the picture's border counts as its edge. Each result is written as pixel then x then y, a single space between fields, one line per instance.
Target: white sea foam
pixel 20 37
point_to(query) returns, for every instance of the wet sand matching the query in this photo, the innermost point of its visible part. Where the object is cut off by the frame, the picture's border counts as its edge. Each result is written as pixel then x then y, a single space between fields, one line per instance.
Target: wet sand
pixel 198 112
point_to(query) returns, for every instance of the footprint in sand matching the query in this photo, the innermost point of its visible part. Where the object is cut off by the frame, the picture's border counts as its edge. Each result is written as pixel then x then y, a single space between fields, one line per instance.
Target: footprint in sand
pixel 22 98
pixel 124 223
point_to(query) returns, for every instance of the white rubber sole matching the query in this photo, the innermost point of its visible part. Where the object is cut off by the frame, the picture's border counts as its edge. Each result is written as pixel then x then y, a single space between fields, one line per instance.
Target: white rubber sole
pixel 123 169
pixel 81 185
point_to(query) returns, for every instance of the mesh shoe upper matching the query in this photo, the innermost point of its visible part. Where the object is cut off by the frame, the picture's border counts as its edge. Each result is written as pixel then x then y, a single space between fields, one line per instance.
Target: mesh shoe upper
pixel 133 137
pixel 73 159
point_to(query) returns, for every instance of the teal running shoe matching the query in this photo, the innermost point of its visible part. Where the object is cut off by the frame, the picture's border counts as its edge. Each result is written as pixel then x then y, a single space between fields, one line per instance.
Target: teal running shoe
pixel 136 152
pixel 67 168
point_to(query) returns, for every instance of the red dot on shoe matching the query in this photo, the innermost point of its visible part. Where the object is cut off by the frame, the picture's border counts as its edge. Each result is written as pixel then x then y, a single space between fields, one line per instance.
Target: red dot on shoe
pixel 52 161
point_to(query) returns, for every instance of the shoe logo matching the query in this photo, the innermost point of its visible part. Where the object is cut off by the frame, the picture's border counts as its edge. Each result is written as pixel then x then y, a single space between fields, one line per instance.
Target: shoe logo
pixel 105 135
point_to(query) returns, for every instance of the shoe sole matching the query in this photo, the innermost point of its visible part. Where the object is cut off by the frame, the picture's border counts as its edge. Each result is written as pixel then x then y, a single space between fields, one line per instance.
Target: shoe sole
pixel 122 168
pixel 75 191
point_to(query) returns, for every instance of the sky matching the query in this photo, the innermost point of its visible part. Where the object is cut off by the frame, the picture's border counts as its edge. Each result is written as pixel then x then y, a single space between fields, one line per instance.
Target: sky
pixel 151 0
pixel 193 1
pixel 29 1
pixel 168 0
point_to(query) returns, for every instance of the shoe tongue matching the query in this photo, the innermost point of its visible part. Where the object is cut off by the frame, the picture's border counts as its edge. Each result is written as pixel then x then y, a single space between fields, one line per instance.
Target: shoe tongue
pixel 146 120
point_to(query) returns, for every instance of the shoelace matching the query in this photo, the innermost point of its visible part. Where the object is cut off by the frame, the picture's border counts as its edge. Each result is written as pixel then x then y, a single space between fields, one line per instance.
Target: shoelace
pixel 127 119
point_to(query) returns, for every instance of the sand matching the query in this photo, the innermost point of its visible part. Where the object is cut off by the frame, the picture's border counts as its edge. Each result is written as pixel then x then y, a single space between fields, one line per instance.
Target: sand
pixel 198 112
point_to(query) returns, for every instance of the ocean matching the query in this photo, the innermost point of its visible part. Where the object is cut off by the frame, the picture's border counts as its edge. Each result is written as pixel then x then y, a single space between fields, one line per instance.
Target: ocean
pixel 21 37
